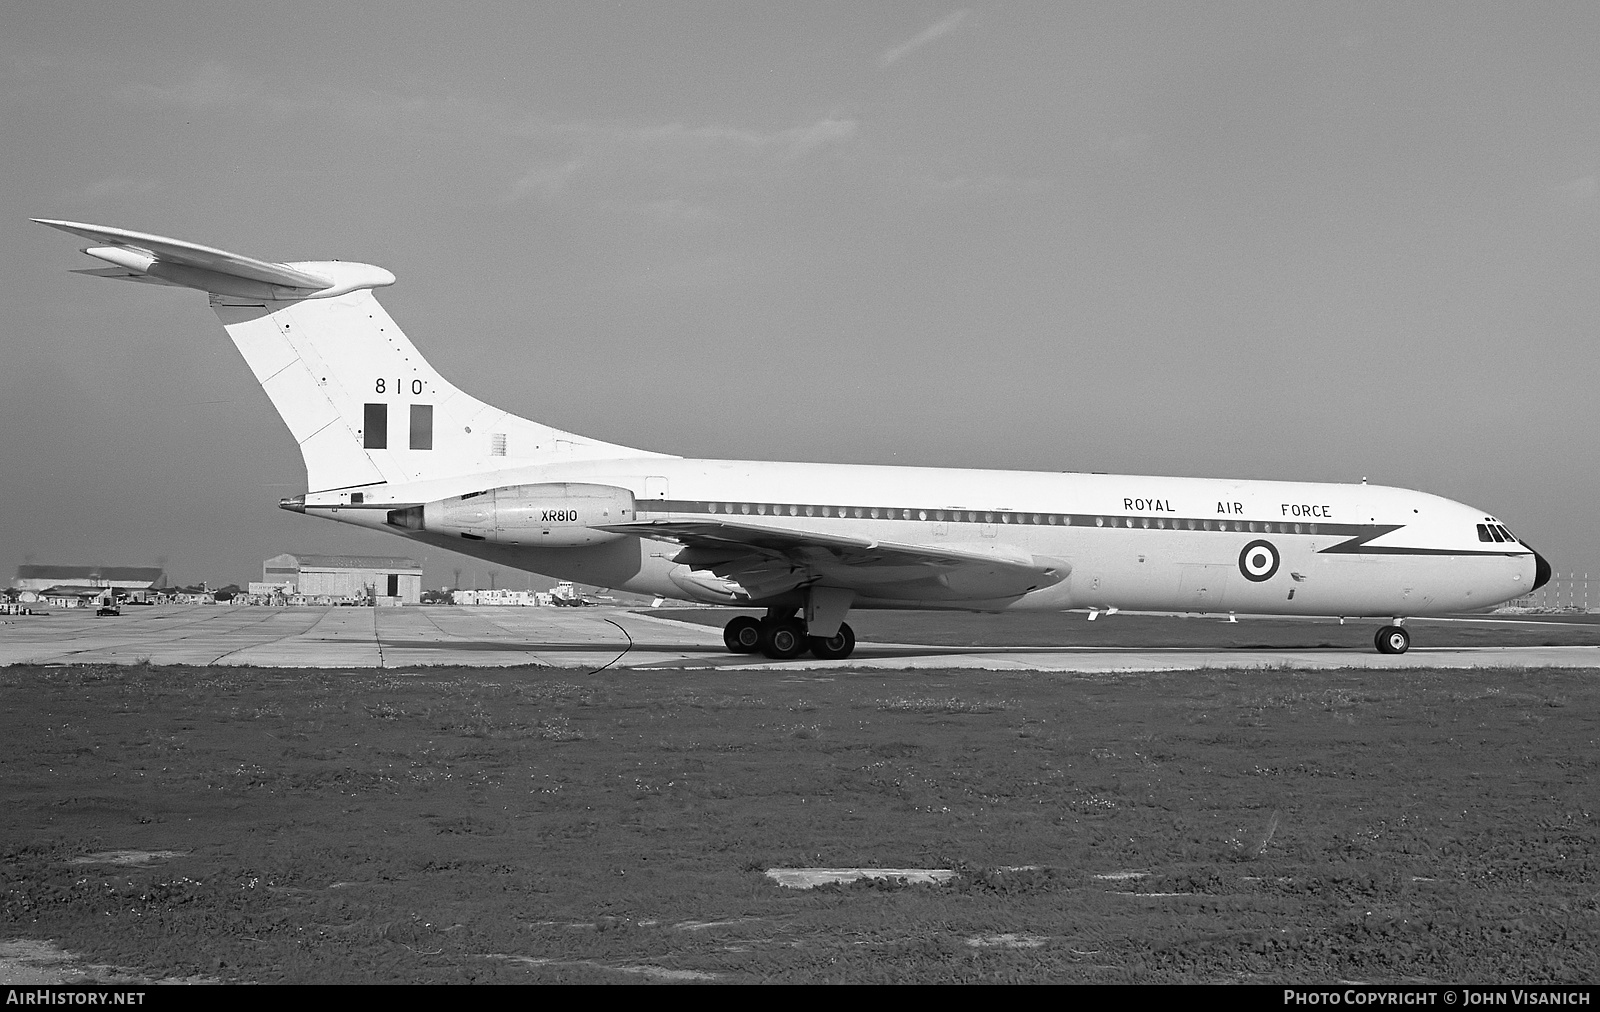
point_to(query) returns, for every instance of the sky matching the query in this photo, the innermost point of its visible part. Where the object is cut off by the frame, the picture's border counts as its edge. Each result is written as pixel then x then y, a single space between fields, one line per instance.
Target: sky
pixel 1316 242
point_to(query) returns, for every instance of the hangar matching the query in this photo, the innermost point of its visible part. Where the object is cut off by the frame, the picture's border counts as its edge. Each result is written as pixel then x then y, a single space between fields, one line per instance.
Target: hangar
pixel 77 586
pixel 381 579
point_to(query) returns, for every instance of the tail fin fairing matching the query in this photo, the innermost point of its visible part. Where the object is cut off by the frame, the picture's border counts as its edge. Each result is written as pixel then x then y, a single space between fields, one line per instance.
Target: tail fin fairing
pixel 364 405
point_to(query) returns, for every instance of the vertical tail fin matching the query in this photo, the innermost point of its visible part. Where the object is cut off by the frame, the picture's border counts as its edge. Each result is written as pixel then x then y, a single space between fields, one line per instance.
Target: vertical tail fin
pixel 364 405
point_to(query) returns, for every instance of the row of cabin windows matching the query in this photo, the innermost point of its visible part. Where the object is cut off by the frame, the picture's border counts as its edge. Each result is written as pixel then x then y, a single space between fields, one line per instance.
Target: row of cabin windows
pixel 1496 533
pixel 976 517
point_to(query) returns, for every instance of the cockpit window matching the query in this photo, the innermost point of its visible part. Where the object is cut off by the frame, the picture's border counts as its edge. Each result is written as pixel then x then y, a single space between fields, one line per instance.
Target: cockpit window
pixel 1483 533
pixel 1501 528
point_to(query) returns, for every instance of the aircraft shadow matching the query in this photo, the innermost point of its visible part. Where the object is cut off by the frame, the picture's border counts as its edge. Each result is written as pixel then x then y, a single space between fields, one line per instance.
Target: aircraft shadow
pixel 513 646
pixel 719 657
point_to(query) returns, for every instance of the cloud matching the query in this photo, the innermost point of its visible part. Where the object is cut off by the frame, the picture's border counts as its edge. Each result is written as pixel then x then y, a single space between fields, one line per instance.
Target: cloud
pixel 544 181
pixel 1125 145
pixel 659 161
pixel 1578 199
pixel 552 158
pixel 113 186
pixel 1582 190
pixel 214 86
pixel 944 26
pixel 218 87
pixel 785 144
pixel 980 185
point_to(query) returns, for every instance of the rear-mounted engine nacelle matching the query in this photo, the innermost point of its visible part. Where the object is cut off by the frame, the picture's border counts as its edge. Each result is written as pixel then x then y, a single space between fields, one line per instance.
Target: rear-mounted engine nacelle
pixel 548 515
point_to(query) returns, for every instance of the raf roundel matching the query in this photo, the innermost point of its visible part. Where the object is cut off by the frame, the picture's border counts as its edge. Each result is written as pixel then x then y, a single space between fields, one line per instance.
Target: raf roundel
pixel 1258 561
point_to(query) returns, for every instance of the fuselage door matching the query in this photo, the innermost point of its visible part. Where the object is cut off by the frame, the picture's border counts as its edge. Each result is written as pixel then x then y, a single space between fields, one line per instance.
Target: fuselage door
pixel 1204 588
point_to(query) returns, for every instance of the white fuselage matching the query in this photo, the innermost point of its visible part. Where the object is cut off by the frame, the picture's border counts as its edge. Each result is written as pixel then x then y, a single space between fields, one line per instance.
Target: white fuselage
pixel 1131 542
pixel 391 444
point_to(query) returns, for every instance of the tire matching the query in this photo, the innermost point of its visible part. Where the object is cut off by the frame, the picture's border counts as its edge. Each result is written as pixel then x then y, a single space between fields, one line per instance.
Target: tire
pixel 1392 639
pixel 783 640
pixel 836 647
pixel 742 635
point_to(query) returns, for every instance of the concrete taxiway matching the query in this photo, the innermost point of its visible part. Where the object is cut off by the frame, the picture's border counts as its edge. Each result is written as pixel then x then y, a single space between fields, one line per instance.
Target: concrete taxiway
pixel 606 637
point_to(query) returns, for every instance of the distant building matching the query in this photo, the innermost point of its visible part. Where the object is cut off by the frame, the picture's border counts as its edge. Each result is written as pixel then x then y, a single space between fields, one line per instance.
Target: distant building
pixel 75 586
pixel 380 579
pixel 38 578
pixel 501 598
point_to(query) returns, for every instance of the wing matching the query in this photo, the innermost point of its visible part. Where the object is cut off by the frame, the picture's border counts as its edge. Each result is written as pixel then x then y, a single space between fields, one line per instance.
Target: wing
pixel 765 561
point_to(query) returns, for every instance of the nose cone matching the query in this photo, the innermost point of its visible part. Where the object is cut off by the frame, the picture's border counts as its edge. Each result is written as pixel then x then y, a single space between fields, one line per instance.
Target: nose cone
pixel 1541 571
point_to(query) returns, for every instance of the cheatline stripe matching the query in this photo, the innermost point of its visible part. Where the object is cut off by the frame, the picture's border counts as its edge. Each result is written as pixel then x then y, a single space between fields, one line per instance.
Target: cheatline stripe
pixel 1358 535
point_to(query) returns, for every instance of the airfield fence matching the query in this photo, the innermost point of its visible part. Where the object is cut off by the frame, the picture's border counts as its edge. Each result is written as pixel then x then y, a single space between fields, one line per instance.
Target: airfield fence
pixel 1566 592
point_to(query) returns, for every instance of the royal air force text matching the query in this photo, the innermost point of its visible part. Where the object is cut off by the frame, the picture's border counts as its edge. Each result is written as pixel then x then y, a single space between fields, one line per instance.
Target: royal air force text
pixel 1289 509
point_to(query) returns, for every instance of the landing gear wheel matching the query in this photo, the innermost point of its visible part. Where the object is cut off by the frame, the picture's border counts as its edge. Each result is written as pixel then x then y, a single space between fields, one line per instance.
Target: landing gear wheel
pixel 783 639
pixel 742 634
pixel 836 647
pixel 1393 639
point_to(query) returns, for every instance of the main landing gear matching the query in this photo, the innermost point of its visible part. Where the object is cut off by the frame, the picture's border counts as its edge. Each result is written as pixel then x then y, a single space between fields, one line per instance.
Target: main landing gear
pixel 783 636
pixel 1393 639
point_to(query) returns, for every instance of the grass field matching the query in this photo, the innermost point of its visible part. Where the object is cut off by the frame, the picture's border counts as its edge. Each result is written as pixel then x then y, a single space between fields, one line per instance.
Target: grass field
pixel 524 825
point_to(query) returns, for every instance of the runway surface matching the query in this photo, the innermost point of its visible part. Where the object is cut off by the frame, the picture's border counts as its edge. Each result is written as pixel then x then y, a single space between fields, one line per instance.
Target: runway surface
pixel 592 638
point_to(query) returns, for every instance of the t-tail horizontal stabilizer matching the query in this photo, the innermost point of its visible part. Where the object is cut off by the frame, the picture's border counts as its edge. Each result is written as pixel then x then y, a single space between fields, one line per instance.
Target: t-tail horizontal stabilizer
pixel 365 406
pixel 156 259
